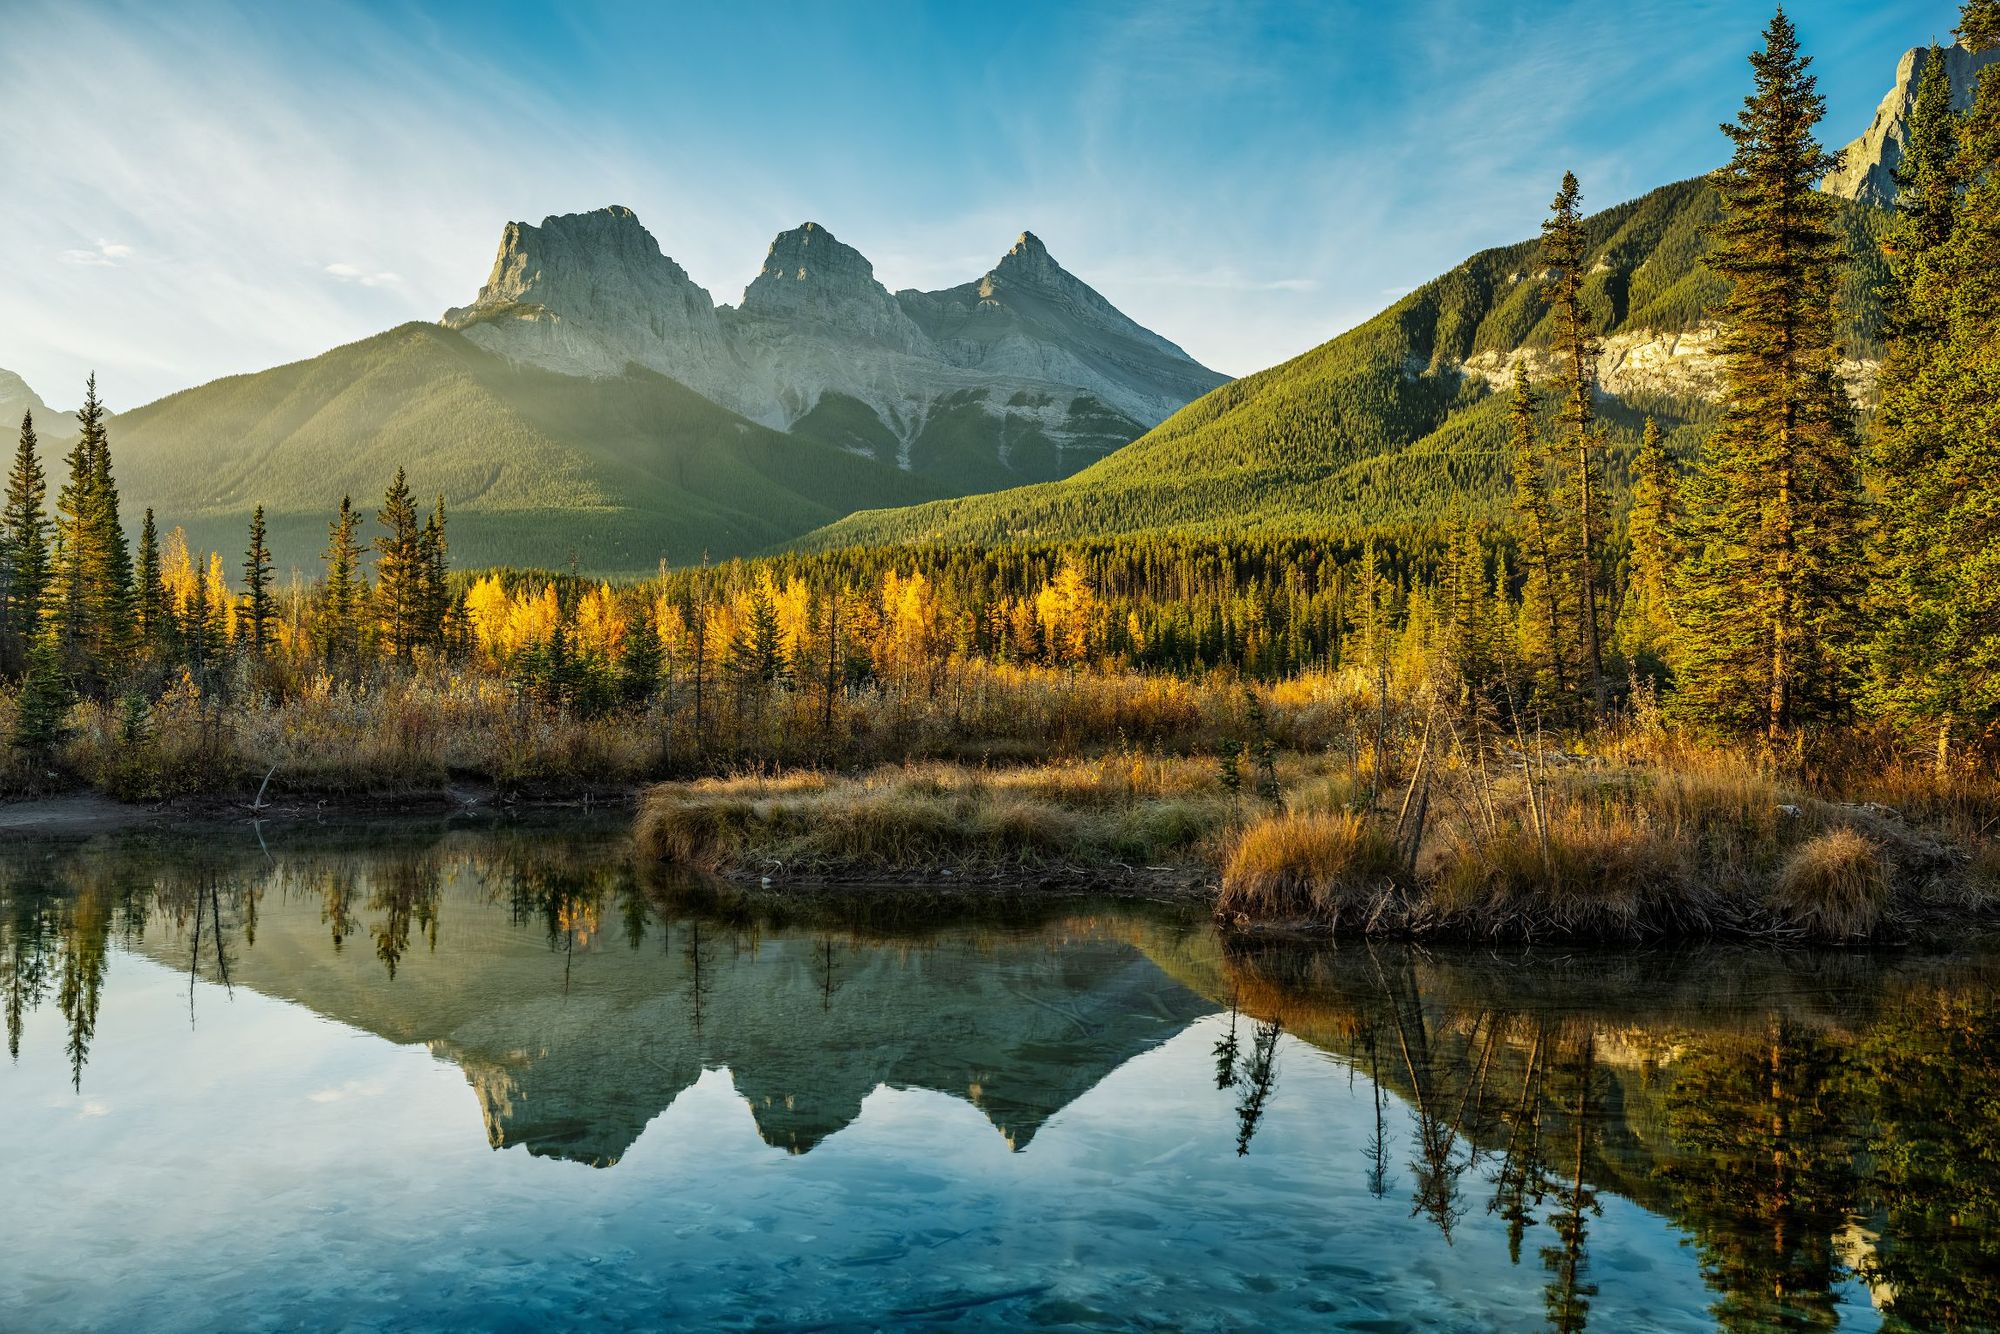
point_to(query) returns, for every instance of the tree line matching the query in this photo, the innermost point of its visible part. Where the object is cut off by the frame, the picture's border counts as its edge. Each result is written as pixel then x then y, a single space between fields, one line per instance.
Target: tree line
pixel 1800 569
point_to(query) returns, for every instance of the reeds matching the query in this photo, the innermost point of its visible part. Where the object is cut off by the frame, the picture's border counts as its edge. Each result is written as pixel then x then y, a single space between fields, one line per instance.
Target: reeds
pixel 1116 811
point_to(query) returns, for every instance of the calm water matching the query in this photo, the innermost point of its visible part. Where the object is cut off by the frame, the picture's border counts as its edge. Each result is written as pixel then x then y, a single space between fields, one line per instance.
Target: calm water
pixel 498 1078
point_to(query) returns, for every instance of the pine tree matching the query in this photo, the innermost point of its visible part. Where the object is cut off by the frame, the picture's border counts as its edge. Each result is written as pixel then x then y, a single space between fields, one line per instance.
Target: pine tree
pixel 639 667
pixel 110 568
pixel 40 721
pixel 1937 440
pixel 151 592
pixel 24 540
pixel 72 525
pixel 400 571
pixel 434 596
pixel 1645 621
pixel 346 586
pixel 1541 598
pixel 257 607
pixel 1768 592
pixel 758 656
pixel 94 611
pixel 1585 518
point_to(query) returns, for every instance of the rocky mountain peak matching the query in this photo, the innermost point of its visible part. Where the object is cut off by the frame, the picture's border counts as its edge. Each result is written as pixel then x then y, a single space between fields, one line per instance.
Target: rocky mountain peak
pixel 580 264
pixel 592 293
pixel 812 278
pixel 1867 166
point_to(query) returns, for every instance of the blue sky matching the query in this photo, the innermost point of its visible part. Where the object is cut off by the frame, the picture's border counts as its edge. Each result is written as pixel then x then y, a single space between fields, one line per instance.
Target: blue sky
pixel 194 190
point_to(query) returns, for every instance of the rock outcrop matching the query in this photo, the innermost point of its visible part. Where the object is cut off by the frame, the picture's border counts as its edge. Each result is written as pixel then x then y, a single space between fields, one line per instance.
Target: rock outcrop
pixel 1023 374
pixel 591 293
pixel 1867 166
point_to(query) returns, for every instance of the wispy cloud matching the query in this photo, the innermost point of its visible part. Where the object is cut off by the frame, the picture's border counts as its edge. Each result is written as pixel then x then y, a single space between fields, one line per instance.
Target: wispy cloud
pixel 1244 178
pixel 105 255
pixel 354 273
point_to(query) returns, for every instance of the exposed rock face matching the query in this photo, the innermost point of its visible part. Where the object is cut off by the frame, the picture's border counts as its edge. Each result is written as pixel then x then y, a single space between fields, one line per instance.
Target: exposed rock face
pixel 1685 365
pixel 17 399
pixel 1024 374
pixel 1031 318
pixel 812 282
pixel 1867 166
pixel 589 294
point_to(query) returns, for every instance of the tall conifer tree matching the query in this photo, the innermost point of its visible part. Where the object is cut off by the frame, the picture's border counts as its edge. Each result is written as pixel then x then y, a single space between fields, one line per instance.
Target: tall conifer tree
pixel 1541 598
pixel 399 570
pixel 346 586
pixel 24 536
pixel 1645 620
pixel 1937 442
pixel 257 608
pixel 1584 516
pixel 151 593
pixel 1768 592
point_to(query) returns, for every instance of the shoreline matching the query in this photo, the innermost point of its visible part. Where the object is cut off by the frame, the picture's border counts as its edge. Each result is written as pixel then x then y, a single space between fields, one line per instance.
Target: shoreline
pixel 84 812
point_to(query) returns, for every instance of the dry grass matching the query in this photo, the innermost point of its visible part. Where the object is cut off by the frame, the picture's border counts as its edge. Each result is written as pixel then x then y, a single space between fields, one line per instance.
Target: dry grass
pixel 1835 886
pixel 931 817
pixel 1319 867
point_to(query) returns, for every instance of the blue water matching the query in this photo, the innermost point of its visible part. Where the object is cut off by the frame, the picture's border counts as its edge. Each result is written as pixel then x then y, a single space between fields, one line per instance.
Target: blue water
pixel 581 1101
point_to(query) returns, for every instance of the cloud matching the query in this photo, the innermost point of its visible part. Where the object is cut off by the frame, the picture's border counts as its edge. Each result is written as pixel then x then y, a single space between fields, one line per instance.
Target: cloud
pixel 353 273
pixel 105 256
pixel 353 1088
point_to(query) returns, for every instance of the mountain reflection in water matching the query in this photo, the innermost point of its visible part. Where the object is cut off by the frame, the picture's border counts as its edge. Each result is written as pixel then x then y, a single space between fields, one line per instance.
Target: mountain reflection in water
pixel 1246 1133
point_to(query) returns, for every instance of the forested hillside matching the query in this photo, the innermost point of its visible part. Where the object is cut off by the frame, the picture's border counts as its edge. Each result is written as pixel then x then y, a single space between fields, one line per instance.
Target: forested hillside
pixel 535 467
pixel 1385 429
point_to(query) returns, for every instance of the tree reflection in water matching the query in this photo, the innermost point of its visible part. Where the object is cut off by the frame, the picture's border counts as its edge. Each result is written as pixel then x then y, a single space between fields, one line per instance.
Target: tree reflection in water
pixel 1805 1121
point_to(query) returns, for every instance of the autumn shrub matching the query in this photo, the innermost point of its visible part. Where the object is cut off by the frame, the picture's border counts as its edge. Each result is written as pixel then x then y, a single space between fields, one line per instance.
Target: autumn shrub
pixel 1322 867
pixel 1835 886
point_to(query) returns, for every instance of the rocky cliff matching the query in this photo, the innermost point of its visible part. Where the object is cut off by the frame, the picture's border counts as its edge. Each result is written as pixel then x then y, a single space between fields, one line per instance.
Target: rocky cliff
pixel 1867 166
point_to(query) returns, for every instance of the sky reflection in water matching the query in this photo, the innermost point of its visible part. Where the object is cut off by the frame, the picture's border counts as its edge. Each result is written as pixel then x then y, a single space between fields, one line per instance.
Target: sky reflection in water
pixel 712 1108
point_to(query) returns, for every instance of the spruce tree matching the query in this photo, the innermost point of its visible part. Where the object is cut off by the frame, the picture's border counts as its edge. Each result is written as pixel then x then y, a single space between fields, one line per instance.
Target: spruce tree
pixel 257 608
pixel 24 537
pixel 1937 442
pixel 1645 621
pixel 639 667
pixel 346 591
pixel 1768 592
pixel 1541 599
pixel 72 527
pixel 400 571
pixel 436 599
pixel 110 569
pixel 151 593
pixel 1585 517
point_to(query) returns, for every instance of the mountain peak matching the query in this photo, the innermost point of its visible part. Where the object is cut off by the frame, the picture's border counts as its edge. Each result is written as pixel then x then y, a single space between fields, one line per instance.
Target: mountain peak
pixel 812 278
pixel 1028 258
pixel 1867 166
pixel 18 398
pixel 809 253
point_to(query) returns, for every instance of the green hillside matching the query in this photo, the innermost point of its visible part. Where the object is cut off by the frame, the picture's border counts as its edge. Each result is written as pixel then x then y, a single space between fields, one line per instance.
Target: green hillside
pixel 1378 429
pixel 535 467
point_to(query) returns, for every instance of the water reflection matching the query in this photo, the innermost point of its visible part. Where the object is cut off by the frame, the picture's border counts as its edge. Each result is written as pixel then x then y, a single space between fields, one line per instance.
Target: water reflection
pixel 1820 1131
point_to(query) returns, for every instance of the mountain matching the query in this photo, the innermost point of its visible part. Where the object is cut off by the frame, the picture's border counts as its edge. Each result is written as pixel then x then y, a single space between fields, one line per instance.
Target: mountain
pixel 573 1046
pixel 537 468
pixel 16 399
pixel 1867 166
pixel 1401 423
pixel 593 404
pixel 1025 374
